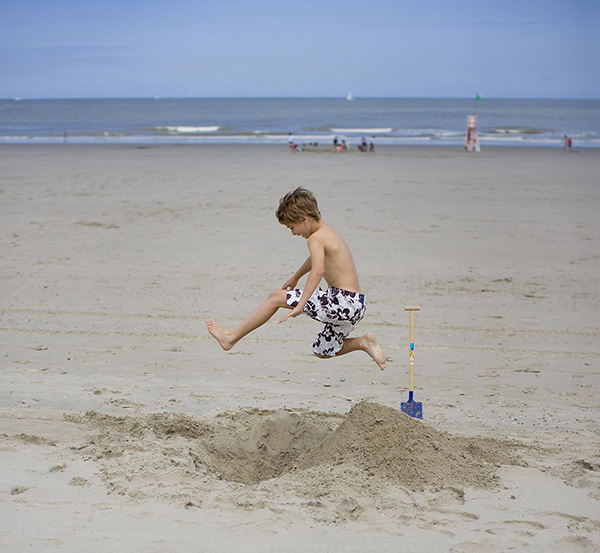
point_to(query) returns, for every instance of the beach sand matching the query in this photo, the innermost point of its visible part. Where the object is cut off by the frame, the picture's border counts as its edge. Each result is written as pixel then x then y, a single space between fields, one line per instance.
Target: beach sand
pixel 124 427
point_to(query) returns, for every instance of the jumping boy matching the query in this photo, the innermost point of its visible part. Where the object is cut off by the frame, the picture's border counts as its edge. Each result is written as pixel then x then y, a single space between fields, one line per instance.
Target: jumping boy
pixel 340 307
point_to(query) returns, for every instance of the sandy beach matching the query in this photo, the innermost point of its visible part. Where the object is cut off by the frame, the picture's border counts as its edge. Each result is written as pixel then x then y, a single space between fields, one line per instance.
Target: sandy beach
pixel 124 427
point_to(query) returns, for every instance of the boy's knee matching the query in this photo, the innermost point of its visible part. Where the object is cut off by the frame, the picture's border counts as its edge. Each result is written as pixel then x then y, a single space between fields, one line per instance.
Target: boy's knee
pixel 279 297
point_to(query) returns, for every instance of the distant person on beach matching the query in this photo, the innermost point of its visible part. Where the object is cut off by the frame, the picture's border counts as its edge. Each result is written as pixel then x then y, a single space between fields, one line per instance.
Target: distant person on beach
pixel 341 307
pixel 291 142
pixel 372 145
pixel 568 143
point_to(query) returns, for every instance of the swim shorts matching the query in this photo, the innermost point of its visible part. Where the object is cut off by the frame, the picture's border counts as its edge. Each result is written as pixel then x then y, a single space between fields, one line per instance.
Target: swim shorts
pixel 340 310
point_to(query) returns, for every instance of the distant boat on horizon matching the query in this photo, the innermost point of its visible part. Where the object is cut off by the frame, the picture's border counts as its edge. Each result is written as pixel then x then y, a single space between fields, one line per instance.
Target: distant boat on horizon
pixel 349 97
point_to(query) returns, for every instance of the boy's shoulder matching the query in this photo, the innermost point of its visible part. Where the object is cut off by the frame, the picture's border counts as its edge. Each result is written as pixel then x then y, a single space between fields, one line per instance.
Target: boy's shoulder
pixel 326 234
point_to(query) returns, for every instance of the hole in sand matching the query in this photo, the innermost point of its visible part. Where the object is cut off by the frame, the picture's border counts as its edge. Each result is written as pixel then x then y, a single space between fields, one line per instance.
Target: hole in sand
pixel 251 446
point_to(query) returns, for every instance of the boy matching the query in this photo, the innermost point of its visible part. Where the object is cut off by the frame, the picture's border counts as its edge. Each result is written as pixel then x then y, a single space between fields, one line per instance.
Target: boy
pixel 340 307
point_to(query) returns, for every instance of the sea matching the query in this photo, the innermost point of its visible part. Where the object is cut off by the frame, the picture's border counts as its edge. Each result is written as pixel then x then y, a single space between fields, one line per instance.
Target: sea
pixel 392 121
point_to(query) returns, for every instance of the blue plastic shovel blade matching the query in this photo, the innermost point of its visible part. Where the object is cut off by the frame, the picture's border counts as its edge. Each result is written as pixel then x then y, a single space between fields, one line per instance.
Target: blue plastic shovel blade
pixel 412 408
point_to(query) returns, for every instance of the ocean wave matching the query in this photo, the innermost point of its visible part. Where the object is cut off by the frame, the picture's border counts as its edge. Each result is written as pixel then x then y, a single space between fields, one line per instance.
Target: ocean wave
pixel 499 138
pixel 519 130
pixel 181 129
pixel 16 138
pixel 593 136
pixel 230 136
pixel 385 130
pixel 403 139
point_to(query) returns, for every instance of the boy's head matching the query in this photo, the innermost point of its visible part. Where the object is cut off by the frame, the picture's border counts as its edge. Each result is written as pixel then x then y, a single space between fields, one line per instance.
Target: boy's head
pixel 294 205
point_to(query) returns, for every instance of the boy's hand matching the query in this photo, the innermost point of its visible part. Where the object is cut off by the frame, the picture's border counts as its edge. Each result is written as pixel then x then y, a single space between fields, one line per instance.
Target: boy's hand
pixel 290 284
pixel 293 313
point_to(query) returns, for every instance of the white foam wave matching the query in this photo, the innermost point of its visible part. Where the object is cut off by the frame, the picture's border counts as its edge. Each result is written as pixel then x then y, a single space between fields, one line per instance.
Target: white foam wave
pixel 364 131
pixel 189 130
pixel 508 138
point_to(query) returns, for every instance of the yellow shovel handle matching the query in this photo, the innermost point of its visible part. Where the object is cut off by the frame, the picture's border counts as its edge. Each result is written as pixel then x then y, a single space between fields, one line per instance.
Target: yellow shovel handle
pixel 411 361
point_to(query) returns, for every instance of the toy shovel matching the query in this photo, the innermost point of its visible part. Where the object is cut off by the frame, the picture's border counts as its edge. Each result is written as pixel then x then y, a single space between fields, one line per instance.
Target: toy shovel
pixel 412 407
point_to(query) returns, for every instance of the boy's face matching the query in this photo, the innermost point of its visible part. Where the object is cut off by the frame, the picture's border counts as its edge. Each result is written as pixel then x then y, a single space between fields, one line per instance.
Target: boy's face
pixel 300 228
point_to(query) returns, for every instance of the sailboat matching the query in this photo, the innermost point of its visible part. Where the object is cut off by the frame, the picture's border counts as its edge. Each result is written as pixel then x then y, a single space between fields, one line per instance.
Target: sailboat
pixel 349 97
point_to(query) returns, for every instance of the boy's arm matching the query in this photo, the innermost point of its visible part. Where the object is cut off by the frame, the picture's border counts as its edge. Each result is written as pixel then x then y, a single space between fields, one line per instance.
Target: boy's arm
pixel 292 282
pixel 317 270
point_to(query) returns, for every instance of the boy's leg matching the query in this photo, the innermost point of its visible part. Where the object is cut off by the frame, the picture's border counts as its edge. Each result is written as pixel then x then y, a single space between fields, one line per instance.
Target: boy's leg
pixel 335 331
pixel 366 343
pixel 228 337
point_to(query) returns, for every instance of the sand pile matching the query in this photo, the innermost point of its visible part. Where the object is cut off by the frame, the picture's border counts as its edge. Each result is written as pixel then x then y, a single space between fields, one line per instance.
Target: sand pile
pixel 387 443
pixel 174 454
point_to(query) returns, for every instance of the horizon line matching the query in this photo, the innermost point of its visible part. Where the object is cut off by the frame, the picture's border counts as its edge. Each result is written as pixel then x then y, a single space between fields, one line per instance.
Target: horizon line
pixel 341 98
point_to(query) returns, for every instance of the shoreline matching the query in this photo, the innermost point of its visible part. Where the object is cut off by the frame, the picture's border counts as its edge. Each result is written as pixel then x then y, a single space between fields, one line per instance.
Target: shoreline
pixel 383 147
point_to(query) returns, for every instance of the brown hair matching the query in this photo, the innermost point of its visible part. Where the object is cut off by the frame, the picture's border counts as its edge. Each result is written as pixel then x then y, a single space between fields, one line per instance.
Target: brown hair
pixel 296 204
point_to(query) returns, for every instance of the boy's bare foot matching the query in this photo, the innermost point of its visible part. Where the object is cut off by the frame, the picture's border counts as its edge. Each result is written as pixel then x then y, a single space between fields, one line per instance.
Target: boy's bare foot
pixel 220 334
pixel 371 347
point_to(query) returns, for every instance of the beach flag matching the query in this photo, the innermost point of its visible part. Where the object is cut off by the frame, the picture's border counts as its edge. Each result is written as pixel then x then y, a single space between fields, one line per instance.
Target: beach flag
pixel 477 99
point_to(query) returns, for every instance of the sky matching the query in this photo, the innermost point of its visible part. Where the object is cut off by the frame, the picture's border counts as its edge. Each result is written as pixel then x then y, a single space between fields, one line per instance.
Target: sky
pixel 303 48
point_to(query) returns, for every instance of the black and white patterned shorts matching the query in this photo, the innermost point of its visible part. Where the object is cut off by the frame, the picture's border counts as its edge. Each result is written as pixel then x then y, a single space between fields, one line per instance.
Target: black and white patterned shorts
pixel 340 310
